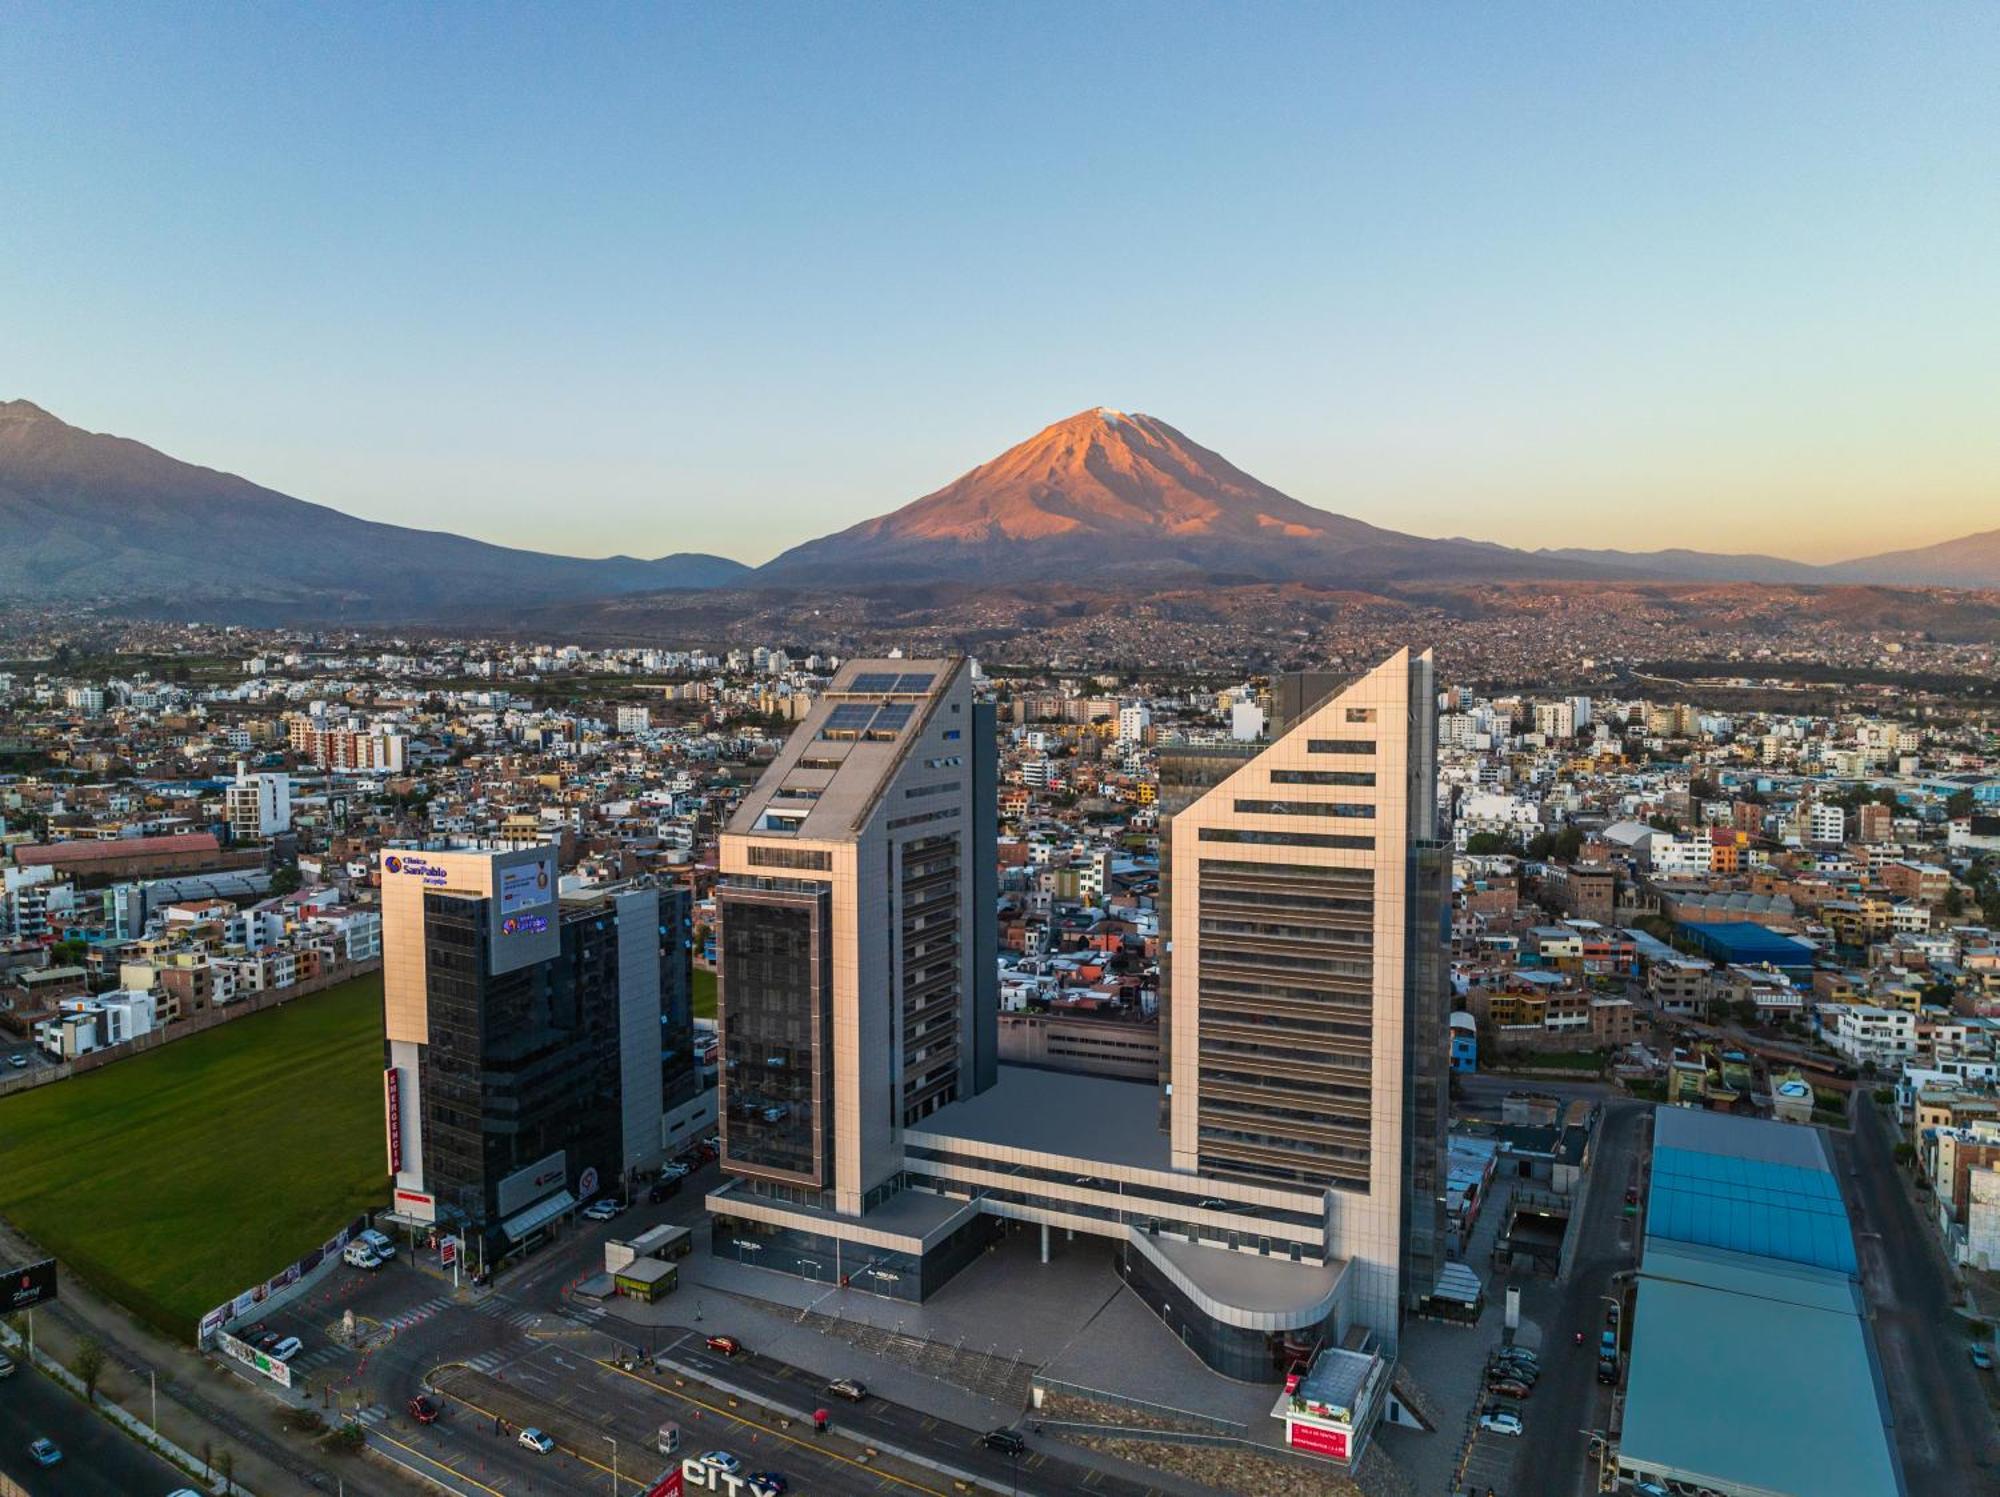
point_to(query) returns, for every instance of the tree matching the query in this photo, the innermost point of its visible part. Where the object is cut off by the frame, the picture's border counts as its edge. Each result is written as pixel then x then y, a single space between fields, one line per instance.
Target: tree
pixel 1491 844
pixel 285 878
pixel 88 1365
pixel 225 1467
pixel 1958 804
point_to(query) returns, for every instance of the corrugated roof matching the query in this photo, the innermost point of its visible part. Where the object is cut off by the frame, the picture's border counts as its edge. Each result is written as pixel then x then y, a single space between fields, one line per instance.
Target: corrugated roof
pixel 1749 1206
pixel 113 847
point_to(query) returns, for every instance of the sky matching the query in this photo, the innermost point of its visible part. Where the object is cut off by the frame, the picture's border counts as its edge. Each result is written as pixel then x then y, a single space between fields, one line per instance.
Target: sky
pixel 651 278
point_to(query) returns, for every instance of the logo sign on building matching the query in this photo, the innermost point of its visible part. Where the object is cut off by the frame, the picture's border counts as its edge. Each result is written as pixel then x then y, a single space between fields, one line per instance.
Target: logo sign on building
pixel 392 1094
pixel 30 1286
pixel 528 1185
pixel 413 865
pixel 417 1205
pixel 586 1183
pixel 1318 1440
pixel 524 925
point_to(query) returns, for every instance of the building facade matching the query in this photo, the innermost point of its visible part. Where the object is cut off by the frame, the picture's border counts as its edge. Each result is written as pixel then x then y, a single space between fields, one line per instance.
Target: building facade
pixel 533 1040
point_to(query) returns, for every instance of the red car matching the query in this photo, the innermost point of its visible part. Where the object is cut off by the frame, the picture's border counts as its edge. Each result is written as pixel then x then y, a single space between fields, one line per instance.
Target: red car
pixel 424 1410
pixel 729 1346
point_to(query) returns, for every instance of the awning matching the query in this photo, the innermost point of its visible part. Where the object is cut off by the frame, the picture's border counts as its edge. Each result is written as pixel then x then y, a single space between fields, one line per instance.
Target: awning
pixel 538 1215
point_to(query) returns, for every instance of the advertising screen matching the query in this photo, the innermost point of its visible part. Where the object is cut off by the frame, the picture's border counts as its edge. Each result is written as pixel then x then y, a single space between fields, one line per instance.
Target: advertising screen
pixel 1319 1441
pixel 526 886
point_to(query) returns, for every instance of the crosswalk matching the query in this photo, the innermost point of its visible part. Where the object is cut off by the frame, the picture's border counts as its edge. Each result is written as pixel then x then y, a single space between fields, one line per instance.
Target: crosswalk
pixel 416 1314
pixel 489 1361
pixel 373 1414
pixel 319 1357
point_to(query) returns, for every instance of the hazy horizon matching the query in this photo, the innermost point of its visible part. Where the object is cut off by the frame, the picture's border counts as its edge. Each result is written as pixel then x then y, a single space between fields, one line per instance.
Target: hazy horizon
pixel 648 280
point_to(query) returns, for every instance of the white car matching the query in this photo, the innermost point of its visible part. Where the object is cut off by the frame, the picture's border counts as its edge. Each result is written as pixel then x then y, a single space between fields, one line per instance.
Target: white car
pixel 602 1211
pixel 6 1367
pixel 1501 1424
pixel 533 1439
pixel 722 1460
pixel 286 1349
pixel 384 1245
pixel 674 1170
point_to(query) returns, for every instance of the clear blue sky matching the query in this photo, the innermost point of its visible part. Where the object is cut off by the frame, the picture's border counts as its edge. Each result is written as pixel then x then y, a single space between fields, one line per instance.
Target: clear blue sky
pixel 602 278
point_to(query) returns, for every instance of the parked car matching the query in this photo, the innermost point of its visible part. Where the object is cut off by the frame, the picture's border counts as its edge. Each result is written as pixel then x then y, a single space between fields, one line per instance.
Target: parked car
pixel 361 1255
pixel 1982 1358
pixel 45 1452
pixel 1648 1489
pixel 18 1060
pixel 1607 1369
pixel 729 1346
pixel 382 1242
pixel 767 1484
pixel 1507 1388
pixel 424 1409
pixel 1631 1195
pixel 1607 1344
pixel 722 1460
pixel 850 1388
pixel 6 1367
pixel 266 1341
pixel 533 1439
pixel 1006 1441
pixel 663 1189
pixel 1501 1423
pixel 673 1169
pixel 286 1349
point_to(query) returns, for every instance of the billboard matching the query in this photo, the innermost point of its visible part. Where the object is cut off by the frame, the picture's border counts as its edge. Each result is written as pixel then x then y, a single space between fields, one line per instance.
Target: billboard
pixel 526 886
pixel 1317 1439
pixel 526 1186
pixel 278 1372
pixel 28 1287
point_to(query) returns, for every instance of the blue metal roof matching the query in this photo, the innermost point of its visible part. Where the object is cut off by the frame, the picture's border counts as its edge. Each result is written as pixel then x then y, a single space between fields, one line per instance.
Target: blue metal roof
pixel 1756 1206
pixel 1746 941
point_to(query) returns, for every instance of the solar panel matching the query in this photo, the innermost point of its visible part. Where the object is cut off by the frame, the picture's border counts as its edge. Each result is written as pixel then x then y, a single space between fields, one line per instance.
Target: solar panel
pixel 850 717
pixel 872 681
pixel 891 717
pixel 912 685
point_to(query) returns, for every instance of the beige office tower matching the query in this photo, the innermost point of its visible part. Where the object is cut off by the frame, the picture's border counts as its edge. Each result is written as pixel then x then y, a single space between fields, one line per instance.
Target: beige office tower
pixel 858 974
pixel 1308 989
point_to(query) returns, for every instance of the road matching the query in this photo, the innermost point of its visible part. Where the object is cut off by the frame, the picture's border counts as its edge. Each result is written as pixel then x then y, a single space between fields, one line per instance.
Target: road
pixel 528 1354
pixel 98 1459
pixel 1944 1429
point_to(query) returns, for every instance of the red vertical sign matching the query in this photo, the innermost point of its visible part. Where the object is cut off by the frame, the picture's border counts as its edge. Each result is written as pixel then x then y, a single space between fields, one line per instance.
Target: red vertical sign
pixel 392 1085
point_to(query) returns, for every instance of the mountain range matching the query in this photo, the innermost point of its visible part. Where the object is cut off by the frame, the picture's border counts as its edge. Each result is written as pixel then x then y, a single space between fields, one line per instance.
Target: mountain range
pixel 1101 495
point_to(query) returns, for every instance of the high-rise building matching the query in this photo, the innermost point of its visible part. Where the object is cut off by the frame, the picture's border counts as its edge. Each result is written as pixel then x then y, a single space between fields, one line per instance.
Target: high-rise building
pixel 1309 993
pixel 538 1045
pixel 1275 1193
pixel 859 986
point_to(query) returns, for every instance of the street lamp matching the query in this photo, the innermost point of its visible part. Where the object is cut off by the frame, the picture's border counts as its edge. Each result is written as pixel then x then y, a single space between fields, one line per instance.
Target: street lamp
pixel 614 1464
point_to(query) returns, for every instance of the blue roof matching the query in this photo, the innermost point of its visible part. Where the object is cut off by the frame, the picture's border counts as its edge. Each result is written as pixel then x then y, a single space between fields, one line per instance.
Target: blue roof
pixel 1754 1206
pixel 1746 941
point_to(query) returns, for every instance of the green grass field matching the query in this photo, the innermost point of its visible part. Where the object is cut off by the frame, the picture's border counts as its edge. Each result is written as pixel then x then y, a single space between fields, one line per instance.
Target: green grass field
pixel 703 994
pixel 175 1179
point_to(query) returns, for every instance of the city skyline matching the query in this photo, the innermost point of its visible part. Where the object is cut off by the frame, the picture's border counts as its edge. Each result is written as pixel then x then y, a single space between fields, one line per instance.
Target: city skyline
pixel 1702 278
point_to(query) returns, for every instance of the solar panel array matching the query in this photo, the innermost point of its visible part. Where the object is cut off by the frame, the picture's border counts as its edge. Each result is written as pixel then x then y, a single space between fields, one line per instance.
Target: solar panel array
pixel 891 718
pixel 912 685
pixel 873 681
pixel 850 717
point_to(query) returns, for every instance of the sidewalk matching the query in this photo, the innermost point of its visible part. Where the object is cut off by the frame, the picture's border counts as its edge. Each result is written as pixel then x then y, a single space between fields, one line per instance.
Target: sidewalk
pixel 200 1404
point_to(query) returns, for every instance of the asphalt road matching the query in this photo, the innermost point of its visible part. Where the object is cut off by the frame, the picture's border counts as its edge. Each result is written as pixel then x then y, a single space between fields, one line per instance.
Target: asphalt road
pixel 98 1460
pixel 1552 1456
pixel 1944 1428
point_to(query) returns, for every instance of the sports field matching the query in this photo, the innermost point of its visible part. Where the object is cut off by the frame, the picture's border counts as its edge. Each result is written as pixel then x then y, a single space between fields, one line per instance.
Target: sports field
pixel 174 1179
pixel 703 993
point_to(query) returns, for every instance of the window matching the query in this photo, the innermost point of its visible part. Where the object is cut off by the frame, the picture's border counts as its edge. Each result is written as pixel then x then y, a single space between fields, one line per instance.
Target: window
pixel 1361 714
pixel 917 792
pixel 1301 808
pixel 1285 839
pixel 1340 745
pixel 790 857
pixel 1364 778
pixel 952 733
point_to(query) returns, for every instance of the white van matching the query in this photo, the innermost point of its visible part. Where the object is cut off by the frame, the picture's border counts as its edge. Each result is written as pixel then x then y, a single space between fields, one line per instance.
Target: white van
pixel 360 1254
pixel 385 1246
